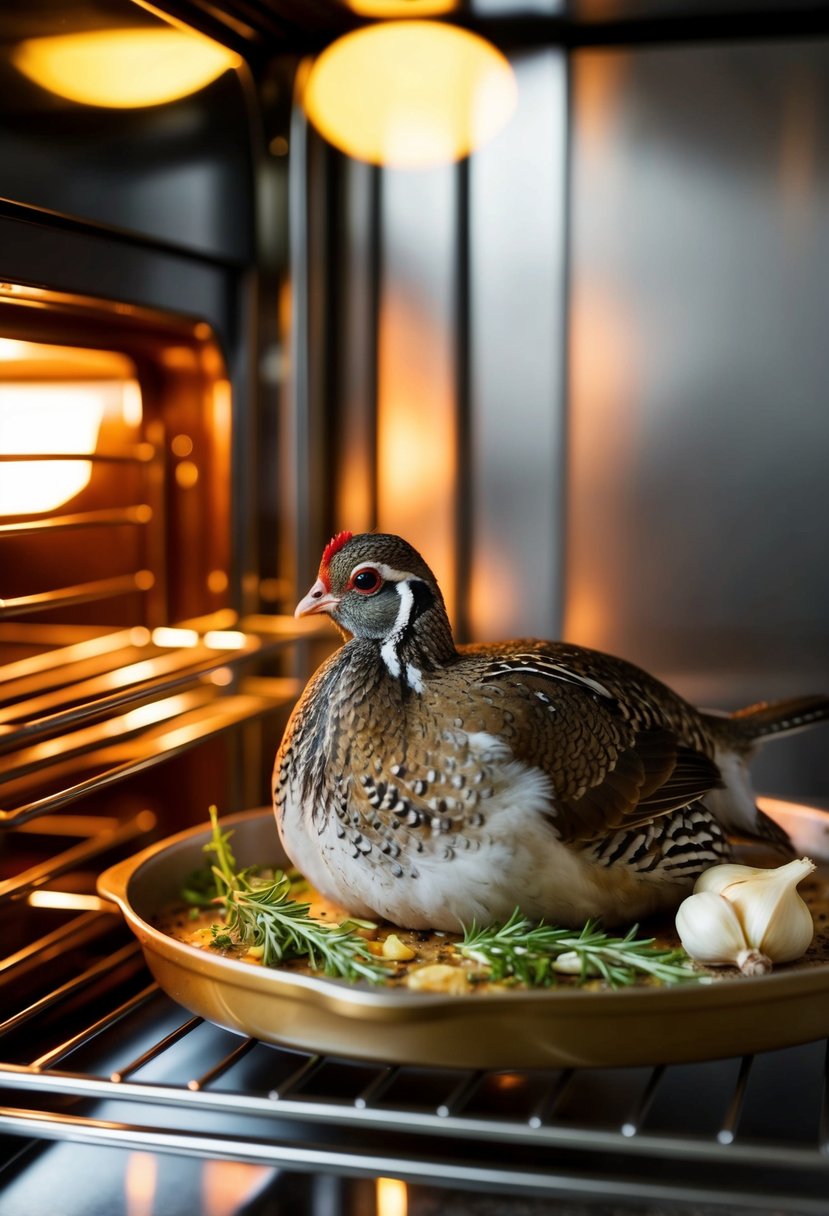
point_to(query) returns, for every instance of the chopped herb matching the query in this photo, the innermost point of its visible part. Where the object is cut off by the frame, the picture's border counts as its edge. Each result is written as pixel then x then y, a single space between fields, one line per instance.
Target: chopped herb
pixel 260 912
pixel 199 890
pixel 532 953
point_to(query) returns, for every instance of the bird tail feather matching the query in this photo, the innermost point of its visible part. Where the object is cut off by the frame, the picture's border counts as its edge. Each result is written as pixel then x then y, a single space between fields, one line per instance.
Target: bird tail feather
pixel 766 718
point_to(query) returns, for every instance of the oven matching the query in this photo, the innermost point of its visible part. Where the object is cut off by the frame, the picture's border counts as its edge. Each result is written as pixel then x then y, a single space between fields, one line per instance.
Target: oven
pixel 582 368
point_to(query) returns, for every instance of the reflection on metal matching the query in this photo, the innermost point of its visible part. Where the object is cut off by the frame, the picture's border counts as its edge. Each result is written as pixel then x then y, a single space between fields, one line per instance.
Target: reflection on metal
pixel 82 593
pixel 417 408
pixel 227 1186
pixel 102 834
pixel 140 514
pixel 66 901
pixel 410 94
pixel 125 746
pixel 166 635
pixel 392 1197
pixel 140 1184
pixel 517 322
pixel 123 68
pixel 698 427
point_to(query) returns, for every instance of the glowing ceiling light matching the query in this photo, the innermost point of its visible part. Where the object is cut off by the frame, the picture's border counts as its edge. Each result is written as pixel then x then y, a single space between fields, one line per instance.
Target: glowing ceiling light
pixel 410 94
pixel 402 8
pixel 123 69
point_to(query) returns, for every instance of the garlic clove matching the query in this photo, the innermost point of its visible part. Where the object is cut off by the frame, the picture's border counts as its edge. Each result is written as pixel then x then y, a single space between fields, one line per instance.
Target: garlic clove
pixel 774 918
pixel 710 930
pixel 717 878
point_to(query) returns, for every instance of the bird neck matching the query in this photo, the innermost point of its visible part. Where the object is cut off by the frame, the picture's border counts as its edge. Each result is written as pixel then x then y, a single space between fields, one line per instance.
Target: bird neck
pixel 421 640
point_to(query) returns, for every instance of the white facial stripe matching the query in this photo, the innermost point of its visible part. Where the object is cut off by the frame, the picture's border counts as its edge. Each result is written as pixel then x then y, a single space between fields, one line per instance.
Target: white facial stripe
pixel 388 650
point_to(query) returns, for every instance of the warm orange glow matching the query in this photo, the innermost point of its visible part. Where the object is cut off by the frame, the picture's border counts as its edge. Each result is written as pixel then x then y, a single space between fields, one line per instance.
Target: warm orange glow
pixel 36 419
pixel 132 407
pixel 598 79
pixel 402 8
pixel 151 714
pixel 70 901
pixel 140 1183
pixel 168 636
pixel 416 440
pixel 509 1080
pixel 187 474
pixel 225 639
pixel 125 68
pixel 217 581
pixel 392 1197
pixel 55 399
pixel 603 357
pixel 222 677
pixel 228 1186
pixel 222 403
pixel 410 94
pixel 181 445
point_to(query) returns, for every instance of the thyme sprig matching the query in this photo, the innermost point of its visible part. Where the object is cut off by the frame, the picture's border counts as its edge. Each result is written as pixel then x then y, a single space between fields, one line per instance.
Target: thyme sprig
pixel 261 913
pixel 532 953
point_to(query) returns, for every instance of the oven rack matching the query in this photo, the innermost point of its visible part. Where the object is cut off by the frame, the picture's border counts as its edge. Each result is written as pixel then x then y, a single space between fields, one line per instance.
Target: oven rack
pixel 141 1073
pixel 81 717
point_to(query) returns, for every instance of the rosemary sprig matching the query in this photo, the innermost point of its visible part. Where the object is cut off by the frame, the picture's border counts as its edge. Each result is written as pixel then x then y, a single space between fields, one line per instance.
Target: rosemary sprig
pixel 259 912
pixel 532 953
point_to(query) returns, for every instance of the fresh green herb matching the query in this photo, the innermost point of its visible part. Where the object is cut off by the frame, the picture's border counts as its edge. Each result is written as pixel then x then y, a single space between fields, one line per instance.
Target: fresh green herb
pixel 199 890
pixel 530 953
pixel 260 912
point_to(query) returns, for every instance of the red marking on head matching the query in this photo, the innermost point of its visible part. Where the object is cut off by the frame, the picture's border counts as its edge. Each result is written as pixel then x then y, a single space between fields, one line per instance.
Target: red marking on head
pixel 334 545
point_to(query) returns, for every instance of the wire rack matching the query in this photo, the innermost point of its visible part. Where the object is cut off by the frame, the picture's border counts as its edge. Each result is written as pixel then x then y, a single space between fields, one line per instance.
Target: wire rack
pixel 119 1063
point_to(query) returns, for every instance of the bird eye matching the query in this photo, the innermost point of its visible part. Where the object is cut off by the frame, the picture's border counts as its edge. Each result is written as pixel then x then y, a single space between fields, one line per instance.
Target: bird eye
pixel 366 581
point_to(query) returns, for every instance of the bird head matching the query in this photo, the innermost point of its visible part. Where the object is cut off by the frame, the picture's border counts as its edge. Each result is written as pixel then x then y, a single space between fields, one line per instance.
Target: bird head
pixel 373 585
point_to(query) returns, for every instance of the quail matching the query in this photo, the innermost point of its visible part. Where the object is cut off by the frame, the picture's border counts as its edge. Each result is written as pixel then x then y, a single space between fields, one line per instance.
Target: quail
pixel 434 785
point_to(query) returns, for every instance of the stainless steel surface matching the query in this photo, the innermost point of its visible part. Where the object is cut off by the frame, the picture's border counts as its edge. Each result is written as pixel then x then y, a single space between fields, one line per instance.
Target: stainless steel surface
pixel 151 1078
pixel 698 429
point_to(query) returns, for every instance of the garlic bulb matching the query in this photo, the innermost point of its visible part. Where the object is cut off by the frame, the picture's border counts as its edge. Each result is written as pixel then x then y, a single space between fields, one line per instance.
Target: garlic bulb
pixel 710 931
pixel 746 917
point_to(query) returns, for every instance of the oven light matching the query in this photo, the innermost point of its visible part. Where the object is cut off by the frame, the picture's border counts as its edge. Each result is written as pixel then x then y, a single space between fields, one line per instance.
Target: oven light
pixel 410 94
pixel 39 418
pixel 126 68
pixel 392 1197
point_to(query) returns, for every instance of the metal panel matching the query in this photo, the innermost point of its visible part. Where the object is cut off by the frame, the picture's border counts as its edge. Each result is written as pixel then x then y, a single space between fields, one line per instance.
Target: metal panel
pixel 517 224
pixel 699 431
pixel 416 384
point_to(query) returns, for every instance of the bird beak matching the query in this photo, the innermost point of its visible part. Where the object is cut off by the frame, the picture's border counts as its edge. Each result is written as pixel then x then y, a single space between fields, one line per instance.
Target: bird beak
pixel 318 599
